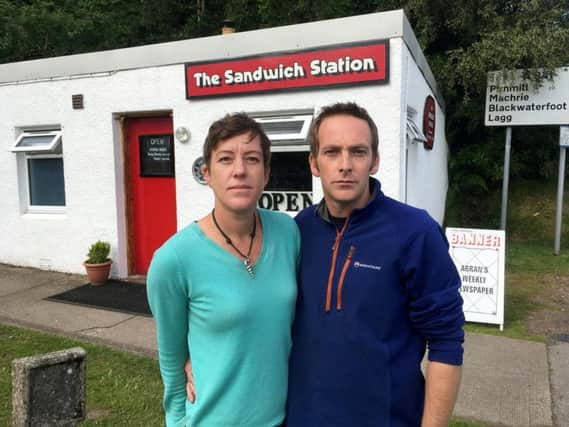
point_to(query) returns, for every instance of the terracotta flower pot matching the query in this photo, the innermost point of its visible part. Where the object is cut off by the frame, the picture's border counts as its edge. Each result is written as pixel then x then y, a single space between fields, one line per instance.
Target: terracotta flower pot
pixel 98 274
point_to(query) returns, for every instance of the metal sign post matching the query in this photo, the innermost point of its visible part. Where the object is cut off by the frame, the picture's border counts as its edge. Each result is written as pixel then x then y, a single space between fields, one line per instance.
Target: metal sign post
pixel 506 180
pixel 563 144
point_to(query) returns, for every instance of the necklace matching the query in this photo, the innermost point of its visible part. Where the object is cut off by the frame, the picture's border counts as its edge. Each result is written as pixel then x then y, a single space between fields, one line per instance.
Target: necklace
pixel 246 258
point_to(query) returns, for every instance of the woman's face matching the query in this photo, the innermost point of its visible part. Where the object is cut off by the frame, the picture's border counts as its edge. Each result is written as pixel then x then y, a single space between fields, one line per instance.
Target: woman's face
pixel 236 173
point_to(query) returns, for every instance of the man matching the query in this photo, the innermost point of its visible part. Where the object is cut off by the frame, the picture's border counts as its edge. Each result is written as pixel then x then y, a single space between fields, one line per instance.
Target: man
pixel 376 287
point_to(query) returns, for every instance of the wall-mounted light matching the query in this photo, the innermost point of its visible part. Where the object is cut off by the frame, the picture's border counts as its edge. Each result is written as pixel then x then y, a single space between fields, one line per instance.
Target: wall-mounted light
pixel 183 134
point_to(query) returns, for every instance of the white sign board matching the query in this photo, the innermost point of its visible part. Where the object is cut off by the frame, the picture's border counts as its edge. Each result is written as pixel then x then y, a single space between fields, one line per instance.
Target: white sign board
pixel 517 103
pixel 564 136
pixel 479 256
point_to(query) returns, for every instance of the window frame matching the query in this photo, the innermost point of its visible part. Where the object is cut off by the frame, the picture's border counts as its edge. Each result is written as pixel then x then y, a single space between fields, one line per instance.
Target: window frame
pixel 47 148
pixel 52 149
pixel 292 138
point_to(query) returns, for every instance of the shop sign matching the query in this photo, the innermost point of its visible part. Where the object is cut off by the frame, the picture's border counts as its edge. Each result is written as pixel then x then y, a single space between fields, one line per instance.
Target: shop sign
pixel 332 66
pixel 479 257
pixel 286 201
pixel 429 122
pixel 518 103
pixel 156 155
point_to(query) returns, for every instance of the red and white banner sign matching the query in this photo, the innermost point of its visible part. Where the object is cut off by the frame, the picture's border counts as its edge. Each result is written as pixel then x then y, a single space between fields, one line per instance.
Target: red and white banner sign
pixel 479 256
pixel 333 66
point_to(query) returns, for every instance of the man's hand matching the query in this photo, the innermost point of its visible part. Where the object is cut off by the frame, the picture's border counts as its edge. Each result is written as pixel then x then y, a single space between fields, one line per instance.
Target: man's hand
pixel 441 389
pixel 190 388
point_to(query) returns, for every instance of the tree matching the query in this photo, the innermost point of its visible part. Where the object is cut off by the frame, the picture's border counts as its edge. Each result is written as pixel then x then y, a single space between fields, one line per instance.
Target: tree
pixel 462 39
pixel 466 40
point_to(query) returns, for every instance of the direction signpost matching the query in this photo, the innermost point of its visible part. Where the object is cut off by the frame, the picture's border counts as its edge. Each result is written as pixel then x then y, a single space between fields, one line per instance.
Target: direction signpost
pixel 563 144
pixel 517 102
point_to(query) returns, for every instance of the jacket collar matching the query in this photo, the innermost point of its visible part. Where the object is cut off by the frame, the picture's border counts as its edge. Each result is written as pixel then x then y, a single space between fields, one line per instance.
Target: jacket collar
pixel 375 198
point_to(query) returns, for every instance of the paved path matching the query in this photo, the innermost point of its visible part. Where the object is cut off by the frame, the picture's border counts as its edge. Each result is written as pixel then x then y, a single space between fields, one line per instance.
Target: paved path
pixel 506 382
pixel 559 370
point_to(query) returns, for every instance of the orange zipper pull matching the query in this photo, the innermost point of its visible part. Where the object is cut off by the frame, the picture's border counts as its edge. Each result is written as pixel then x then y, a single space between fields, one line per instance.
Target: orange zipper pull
pixel 342 276
pixel 333 266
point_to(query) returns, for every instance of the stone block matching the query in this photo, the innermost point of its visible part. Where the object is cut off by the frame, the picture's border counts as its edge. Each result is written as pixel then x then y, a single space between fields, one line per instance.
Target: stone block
pixel 49 390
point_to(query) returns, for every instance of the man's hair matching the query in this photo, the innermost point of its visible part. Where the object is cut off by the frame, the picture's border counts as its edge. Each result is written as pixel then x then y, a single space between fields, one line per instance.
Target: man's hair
pixel 345 109
pixel 234 125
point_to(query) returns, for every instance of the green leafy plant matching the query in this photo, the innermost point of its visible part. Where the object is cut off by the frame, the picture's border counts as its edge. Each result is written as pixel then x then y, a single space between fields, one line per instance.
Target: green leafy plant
pixel 98 252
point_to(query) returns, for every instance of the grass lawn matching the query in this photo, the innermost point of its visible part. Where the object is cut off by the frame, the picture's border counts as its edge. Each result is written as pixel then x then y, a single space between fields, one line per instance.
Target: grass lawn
pixel 122 389
pixel 537 282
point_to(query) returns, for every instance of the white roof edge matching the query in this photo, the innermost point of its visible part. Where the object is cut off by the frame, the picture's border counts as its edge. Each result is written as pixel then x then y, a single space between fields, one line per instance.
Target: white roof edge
pixel 373 26
pixel 420 60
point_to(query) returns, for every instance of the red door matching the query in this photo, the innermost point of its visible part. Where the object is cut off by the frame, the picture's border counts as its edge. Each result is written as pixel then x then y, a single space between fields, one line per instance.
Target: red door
pixel 151 188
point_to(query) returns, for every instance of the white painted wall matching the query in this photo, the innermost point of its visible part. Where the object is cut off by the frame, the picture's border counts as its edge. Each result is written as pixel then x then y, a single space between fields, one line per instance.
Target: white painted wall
pixel 93 156
pixel 60 241
pixel 427 179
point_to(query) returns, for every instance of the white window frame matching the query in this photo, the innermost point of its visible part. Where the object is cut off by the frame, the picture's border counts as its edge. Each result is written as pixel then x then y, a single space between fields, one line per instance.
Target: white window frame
pixel 287 142
pixel 44 151
pixel 294 138
pixel 48 147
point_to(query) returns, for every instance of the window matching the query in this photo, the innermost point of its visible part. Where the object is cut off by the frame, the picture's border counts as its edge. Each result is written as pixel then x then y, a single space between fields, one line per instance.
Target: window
pixel 290 184
pixel 39 141
pixel 286 130
pixel 40 159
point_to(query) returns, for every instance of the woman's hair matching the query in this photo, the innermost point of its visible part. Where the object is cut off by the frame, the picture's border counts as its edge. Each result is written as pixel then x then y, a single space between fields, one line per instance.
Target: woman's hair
pixel 342 109
pixel 233 125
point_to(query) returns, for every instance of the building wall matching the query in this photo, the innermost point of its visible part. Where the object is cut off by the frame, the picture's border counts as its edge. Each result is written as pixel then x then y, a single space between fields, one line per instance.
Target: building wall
pixel 426 170
pixel 92 153
pixel 92 170
pixel 382 102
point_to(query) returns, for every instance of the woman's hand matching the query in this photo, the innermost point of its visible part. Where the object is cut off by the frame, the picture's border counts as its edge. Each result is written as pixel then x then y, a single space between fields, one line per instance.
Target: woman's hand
pixel 190 388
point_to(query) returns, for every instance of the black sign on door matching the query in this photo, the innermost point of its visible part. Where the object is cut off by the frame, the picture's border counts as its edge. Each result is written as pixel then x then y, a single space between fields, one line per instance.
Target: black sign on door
pixel 156 155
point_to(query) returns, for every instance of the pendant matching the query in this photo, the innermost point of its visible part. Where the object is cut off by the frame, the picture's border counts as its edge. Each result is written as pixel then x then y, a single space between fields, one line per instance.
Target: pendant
pixel 249 267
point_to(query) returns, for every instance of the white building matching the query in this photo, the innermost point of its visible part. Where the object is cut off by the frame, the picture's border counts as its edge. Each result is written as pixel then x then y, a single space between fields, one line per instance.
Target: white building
pixel 73 128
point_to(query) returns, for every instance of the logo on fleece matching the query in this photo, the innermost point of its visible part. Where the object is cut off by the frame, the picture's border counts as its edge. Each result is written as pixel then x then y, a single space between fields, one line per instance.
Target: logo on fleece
pixel 358 264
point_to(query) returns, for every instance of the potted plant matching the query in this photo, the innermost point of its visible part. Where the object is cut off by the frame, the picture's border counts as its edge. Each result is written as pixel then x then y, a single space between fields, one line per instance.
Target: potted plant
pixel 98 263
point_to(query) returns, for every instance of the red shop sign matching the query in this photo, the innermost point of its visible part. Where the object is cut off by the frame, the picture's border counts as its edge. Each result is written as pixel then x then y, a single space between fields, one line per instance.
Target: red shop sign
pixel 332 66
pixel 429 119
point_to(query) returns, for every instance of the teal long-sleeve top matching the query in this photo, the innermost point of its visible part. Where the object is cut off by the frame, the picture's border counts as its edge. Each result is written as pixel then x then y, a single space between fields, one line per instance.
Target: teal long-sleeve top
pixel 236 329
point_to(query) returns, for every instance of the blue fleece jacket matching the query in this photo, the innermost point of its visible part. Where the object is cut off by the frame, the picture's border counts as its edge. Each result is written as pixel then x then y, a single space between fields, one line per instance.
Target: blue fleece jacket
pixel 372 295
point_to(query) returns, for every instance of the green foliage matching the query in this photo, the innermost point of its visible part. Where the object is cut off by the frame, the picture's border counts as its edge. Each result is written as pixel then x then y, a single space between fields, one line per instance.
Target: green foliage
pixel 462 39
pixel 98 252
pixel 463 42
pixel 532 272
pixel 458 422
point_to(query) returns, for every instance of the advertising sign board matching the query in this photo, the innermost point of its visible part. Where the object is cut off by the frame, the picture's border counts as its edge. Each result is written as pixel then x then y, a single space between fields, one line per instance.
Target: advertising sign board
pixel 517 103
pixel 156 155
pixel 479 257
pixel 330 66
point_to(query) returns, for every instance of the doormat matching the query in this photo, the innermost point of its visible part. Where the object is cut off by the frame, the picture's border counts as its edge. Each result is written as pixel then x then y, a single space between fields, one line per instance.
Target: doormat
pixel 115 295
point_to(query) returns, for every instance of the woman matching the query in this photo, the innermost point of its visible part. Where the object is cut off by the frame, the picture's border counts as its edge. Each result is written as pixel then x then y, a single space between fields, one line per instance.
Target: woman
pixel 223 289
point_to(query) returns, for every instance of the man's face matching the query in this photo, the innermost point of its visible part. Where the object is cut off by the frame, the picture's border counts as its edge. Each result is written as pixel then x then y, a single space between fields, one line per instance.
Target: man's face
pixel 344 162
pixel 236 173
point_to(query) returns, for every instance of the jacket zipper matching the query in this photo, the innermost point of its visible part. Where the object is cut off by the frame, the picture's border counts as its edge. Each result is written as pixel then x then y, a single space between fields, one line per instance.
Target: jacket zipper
pixel 342 276
pixel 339 235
